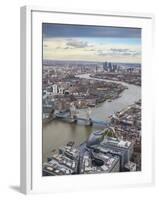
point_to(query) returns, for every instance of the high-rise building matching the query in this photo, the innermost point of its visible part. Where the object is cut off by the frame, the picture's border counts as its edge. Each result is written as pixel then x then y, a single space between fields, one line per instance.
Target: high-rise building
pixel 105 66
pixel 122 149
pixel 114 67
pixel 54 88
pixel 110 66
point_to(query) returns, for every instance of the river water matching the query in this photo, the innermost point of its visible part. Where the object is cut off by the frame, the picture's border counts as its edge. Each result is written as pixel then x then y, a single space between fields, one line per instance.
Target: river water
pixel 58 133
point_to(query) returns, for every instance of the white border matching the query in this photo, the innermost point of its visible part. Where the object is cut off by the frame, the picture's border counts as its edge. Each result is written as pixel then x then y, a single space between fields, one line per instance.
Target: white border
pixel 31 76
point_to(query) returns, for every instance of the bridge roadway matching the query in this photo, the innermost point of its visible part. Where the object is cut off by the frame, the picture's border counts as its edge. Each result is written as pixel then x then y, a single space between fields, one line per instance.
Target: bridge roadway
pixel 90 121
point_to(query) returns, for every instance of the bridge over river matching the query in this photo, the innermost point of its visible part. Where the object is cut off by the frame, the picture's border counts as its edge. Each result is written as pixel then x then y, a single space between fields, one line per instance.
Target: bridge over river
pixel 87 121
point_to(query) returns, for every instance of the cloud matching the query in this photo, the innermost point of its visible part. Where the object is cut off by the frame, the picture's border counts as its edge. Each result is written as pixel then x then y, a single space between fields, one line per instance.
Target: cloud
pixel 137 54
pixel 90 49
pixel 68 47
pixel 118 52
pixel 45 45
pixel 101 53
pixel 77 43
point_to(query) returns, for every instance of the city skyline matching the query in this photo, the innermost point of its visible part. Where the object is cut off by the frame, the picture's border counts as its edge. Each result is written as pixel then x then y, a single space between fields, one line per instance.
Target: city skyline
pixel 91 43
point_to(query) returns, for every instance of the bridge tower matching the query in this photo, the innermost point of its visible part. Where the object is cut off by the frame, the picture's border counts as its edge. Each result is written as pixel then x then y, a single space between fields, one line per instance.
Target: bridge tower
pixel 73 112
pixel 88 115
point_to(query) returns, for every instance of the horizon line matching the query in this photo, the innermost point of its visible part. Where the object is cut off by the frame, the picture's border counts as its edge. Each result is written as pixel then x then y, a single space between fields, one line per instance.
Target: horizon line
pixel 92 61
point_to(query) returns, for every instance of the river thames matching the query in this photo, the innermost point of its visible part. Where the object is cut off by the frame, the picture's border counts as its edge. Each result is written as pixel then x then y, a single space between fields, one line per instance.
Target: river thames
pixel 58 133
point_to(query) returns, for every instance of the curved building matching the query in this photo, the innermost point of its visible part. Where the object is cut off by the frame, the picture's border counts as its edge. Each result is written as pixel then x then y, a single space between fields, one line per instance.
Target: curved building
pixel 95 138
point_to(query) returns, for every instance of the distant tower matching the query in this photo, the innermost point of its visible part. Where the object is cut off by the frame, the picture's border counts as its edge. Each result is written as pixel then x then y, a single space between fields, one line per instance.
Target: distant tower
pixel 110 66
pixel 96 69
pixel 105 66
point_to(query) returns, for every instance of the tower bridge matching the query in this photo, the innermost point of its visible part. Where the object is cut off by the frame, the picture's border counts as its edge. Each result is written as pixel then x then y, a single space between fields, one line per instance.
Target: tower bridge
pixel 71 115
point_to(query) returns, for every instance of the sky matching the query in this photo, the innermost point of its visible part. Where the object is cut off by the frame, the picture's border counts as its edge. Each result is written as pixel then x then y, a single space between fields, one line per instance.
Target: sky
pixel 91 43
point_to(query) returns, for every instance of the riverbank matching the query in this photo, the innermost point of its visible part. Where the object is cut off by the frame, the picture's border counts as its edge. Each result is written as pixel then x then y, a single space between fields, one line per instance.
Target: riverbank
pixel 131 78
pixel 105 109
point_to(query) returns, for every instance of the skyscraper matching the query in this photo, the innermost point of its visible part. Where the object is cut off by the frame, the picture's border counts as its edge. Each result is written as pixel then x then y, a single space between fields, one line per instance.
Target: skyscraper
pixel 105 66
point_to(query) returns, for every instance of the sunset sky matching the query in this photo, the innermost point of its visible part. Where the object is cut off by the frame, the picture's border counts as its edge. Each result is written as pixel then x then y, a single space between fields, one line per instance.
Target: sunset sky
pixel 91 43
